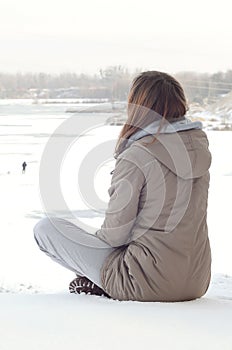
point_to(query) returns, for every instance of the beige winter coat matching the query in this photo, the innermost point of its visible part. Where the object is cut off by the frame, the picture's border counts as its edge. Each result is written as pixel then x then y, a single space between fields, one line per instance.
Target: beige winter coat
pixel 156 218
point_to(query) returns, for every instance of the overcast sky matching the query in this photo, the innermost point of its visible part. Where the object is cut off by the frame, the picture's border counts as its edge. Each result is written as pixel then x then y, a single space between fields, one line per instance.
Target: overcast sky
pixel 84 36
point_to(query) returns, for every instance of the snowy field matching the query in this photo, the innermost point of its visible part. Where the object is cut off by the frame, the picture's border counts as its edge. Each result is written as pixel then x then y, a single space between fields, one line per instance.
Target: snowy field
pixel 36 310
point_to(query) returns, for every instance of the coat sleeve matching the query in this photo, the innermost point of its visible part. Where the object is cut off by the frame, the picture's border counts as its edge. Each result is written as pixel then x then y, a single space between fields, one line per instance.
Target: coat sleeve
pixel 126 185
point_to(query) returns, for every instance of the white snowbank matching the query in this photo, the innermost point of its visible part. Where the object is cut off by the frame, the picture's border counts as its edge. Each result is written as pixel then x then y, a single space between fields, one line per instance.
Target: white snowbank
pixel 66 321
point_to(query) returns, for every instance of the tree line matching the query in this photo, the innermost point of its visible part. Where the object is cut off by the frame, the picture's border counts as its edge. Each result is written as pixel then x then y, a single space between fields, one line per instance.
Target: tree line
pixel 112 82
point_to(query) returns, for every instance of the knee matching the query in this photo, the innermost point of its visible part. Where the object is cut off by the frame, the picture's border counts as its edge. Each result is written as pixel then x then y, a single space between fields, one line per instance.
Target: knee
pixel 41 230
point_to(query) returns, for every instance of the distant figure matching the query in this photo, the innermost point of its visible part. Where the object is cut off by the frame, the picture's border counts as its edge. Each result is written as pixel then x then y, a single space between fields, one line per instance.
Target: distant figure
pixel 24 167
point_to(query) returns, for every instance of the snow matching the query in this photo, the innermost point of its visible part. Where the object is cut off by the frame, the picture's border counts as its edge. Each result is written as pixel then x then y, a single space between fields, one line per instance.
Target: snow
pixel 37 312
pixel 62 321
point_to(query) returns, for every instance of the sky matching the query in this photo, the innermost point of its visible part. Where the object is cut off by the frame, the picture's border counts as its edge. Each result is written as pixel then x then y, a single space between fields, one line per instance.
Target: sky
pixel 85 36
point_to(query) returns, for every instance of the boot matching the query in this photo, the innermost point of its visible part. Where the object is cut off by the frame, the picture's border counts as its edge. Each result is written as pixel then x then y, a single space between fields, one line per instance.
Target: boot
pixel 82 284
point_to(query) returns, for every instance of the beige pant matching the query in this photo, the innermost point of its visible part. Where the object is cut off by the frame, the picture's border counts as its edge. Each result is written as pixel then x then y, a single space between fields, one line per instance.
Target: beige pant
pixel 72 247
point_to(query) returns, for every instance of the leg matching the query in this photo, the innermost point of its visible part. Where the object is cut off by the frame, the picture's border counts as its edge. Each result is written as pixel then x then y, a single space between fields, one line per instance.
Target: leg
pixel 72 247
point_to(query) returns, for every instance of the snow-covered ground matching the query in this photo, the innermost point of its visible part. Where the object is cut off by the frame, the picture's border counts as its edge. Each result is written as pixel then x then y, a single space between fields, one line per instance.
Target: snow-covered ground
pixel 36 310
pixel 62 321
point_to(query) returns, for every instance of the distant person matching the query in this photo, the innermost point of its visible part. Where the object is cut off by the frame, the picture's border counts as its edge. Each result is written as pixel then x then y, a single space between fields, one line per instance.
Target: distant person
pixel 153 244
pixel 24 165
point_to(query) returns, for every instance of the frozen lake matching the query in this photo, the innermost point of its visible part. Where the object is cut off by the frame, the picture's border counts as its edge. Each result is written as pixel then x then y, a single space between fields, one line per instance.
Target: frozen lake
pixel 25 130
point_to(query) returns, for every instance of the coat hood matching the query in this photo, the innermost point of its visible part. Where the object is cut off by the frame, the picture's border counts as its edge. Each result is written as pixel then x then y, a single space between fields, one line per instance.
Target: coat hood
pixel 182 146
pixel 185 153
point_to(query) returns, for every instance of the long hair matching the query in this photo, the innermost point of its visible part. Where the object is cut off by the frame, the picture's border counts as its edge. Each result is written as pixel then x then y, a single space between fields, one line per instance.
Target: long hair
pixel 153 96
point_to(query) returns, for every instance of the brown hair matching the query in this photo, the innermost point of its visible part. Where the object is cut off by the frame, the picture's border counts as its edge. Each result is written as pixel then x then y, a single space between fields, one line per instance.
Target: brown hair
pixel 153 96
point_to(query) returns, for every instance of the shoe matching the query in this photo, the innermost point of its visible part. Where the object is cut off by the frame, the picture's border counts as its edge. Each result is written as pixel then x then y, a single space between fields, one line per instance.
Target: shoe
pixel 82 284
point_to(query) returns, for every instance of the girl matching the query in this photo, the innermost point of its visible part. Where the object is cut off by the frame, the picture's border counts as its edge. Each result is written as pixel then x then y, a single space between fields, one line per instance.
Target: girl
pixel 153 244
